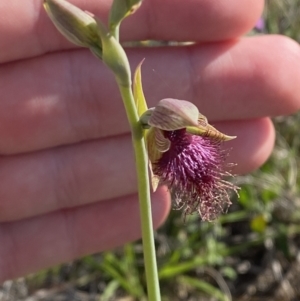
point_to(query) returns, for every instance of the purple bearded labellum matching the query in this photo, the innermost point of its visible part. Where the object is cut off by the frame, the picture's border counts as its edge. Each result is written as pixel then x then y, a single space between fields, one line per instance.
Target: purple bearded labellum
pixel 185 155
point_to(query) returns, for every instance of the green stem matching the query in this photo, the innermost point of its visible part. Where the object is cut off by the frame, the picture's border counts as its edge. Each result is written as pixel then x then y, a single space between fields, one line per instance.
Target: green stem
pixel 144 194
pixel 115 32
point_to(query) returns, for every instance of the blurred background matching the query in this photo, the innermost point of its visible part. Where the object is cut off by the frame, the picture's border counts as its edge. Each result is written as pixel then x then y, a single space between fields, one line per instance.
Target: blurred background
pixel 252 253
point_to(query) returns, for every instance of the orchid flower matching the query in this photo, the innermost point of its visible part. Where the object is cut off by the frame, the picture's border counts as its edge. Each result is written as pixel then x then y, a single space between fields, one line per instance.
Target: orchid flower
pixel 185 154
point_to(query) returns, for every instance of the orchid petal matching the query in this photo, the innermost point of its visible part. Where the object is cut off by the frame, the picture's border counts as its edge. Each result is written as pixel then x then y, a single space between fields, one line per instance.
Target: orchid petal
pixel 174 114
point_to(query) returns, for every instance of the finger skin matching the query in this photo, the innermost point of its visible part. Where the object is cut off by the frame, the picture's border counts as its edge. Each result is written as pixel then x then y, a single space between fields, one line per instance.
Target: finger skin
pixel 253 146
pixel 32 33
pixel 32 244
pixel 60 178
pixel 69 97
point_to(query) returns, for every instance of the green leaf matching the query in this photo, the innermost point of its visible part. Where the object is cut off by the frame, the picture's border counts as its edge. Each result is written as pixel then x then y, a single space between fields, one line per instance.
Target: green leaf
pixel 138 93
pixel 229 272
pixel 172 270
pixel 205 287
pixel 259 223
pixel 110 290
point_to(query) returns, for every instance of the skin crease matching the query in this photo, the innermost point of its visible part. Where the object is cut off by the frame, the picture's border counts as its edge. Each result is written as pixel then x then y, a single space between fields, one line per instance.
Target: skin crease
pixel 68 185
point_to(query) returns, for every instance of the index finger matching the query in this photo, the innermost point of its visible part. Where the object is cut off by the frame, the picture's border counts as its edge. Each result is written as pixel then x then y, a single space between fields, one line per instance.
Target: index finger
pixel 26 31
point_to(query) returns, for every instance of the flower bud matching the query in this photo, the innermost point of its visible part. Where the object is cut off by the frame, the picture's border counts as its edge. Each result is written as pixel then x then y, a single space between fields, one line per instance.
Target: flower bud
pixel 120 10
pixel 77 26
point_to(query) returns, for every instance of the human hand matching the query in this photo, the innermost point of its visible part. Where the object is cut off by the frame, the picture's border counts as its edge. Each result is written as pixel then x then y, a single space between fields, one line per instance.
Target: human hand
pixel 67 173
